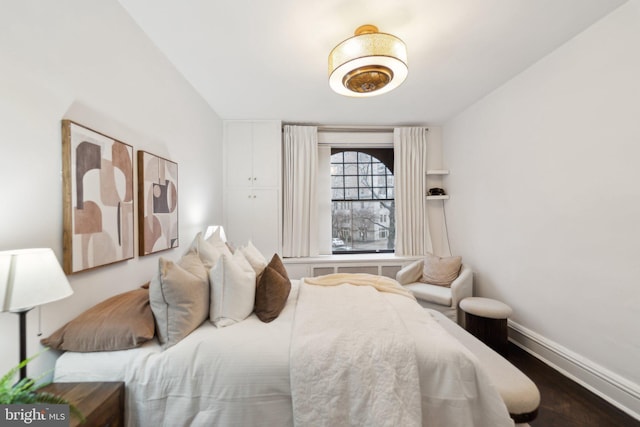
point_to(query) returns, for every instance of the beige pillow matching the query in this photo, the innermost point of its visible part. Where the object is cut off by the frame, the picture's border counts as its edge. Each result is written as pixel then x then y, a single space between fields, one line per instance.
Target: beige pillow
pixel 440 271
pixel 272 290
pixel 179 295
pixel 210 250
pixel 255 258
pixel 121 322
pixel 233 289
pixel 216 239
pixel 192 263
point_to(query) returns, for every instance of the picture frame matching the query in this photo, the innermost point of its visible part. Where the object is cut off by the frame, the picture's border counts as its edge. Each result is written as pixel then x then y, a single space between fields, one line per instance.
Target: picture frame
pixel 157 203
pixel 98 193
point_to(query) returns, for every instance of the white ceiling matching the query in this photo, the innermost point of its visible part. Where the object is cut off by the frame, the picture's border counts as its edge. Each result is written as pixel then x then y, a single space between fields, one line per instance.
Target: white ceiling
pixel 267 59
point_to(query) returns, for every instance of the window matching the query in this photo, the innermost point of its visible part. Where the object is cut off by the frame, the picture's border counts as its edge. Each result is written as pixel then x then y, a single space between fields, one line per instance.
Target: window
pixel 362 200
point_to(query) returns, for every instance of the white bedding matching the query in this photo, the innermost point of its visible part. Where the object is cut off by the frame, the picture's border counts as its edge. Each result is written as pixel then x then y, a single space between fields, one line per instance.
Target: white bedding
pixel 351 366
pixel 240 375
pixel 232 376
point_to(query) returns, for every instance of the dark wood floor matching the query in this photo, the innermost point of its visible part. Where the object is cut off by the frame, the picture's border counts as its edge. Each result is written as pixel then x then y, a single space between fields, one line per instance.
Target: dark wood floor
pixel 564 403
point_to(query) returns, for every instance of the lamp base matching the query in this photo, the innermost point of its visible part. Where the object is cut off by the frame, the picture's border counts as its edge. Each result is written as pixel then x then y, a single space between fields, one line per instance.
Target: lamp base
pixel 22 318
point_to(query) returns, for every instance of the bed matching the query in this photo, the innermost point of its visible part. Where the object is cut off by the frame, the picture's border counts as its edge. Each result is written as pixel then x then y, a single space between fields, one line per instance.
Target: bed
pixel 337 354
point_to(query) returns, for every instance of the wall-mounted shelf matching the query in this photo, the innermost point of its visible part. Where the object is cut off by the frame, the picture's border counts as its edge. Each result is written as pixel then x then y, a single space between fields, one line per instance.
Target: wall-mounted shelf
pixel 438 172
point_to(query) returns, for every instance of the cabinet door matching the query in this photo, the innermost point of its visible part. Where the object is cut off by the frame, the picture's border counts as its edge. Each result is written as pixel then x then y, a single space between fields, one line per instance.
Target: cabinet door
pixel 265 234
pixel 254 215
pixel 239 216
pixel 267 149
pixel 238 154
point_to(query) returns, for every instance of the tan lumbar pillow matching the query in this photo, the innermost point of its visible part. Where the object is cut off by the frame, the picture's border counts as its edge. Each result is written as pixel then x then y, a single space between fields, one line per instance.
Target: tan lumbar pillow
pixel 440 271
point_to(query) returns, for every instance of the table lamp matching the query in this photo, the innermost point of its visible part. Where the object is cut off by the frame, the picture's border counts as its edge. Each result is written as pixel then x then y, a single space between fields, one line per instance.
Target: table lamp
pixel 212 229
pixel 29 278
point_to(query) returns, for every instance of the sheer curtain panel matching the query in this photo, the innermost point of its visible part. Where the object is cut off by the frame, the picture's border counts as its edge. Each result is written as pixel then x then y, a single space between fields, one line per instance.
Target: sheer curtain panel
pixel 410 169
pixel 299 195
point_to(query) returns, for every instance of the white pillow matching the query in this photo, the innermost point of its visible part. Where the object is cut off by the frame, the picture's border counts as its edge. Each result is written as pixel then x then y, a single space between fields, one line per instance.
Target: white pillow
pixel 233 289
pixel 255 258
pixel 209 250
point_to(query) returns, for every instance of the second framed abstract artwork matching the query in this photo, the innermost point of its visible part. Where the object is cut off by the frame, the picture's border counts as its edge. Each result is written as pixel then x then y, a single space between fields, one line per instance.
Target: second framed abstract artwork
pixel 157 203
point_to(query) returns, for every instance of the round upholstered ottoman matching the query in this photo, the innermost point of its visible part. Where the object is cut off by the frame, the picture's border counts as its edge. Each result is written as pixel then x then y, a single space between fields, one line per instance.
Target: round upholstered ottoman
pixel 486 319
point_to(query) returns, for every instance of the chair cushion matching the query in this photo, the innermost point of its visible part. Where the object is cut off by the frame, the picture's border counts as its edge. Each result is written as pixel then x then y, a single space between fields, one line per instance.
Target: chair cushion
pixel 431 293
pixel 440 270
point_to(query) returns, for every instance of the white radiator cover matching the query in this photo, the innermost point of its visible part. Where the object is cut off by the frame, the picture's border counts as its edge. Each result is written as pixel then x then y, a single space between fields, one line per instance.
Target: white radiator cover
pixel 381 264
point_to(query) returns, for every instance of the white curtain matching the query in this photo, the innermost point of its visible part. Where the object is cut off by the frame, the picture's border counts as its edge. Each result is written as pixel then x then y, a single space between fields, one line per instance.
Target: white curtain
pixel 410 169
pixel 299 210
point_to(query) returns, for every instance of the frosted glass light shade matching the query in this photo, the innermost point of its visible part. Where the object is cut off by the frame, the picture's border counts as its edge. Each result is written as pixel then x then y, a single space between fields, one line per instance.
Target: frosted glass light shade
pixel 212 229
pixel 367 64
pixel 29 278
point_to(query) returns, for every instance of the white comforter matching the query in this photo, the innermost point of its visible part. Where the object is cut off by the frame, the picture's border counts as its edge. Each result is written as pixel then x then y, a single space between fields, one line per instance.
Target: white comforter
pixel 360 357
pixel 246 374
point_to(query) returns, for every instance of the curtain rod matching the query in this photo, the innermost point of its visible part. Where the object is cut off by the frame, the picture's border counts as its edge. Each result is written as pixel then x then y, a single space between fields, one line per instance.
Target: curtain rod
pixel 351 129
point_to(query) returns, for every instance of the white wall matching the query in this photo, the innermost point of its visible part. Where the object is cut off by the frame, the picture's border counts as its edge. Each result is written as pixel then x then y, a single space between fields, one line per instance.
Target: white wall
pixel 545 205
pixel 87 61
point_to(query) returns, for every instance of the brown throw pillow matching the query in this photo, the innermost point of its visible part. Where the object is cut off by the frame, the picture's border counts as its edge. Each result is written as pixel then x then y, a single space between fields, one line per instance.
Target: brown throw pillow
pixel 440 271
pixel 272 290
pixel 121 322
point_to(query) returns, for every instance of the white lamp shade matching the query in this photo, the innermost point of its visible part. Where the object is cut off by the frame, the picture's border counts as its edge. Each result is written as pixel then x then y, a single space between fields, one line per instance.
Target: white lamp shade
pixel 29 278
pixel 212 229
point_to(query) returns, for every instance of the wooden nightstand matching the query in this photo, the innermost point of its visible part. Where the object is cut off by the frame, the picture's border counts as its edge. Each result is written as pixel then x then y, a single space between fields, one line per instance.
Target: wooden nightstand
pixel 102 404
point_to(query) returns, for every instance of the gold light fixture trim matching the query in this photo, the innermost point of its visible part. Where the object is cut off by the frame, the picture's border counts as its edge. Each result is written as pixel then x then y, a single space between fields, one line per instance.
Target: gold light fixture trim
pixel 367 64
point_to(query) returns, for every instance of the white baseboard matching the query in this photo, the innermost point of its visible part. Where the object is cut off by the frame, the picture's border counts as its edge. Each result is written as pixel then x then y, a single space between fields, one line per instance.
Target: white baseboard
pixel 613 388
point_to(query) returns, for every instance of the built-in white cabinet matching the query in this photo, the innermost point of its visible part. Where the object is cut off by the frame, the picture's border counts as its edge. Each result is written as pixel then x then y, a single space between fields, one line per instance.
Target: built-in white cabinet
pixel 252 184
pixel 254 148
pixel 254 214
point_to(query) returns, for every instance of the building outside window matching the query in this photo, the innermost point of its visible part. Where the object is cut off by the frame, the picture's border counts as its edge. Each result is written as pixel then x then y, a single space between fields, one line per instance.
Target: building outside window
pixel 362 200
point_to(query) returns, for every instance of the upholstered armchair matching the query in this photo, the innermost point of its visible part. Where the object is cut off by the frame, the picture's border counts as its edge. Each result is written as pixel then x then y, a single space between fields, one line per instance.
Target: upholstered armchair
pixel 441 298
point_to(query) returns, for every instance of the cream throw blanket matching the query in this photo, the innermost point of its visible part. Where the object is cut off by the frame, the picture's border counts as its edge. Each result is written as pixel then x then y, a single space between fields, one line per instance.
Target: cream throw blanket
pixel 352 366
pixel 381 283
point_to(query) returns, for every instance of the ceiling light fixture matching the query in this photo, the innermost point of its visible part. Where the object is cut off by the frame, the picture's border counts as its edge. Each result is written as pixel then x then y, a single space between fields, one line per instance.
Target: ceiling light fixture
pixel 369 63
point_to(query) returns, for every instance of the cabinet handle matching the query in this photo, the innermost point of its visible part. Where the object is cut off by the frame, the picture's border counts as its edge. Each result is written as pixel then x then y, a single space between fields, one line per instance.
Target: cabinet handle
pixel 255 179
pixel 249 178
